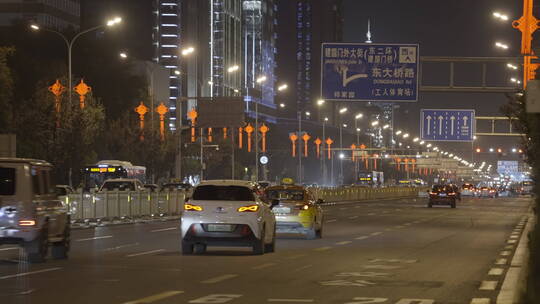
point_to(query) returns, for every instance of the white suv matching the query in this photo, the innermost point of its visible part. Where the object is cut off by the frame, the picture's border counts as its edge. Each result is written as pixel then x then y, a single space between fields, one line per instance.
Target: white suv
pixel 227 213
pixel 31 214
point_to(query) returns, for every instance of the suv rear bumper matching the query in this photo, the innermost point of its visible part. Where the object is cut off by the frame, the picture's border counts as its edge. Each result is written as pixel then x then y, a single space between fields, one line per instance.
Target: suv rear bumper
pixel 17 236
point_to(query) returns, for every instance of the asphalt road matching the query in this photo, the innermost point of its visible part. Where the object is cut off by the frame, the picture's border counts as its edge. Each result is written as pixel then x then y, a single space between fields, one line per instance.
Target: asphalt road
pixel 393 251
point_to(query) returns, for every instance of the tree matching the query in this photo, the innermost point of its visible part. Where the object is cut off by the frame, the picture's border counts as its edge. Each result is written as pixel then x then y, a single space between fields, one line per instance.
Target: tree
pixel 6 90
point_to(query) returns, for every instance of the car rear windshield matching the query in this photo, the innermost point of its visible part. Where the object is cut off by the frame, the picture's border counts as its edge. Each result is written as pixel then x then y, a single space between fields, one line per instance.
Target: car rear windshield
pixel 122 186
pixel 438 188
pixel 223 193
pixel 7 181
pixel 296 195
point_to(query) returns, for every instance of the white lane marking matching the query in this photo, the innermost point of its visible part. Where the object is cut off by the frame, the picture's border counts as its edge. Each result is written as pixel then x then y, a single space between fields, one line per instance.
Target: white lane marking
pixel 95 238
pixel 381 267
pixel 496 271
pixel 120 246
pixel 156 297
pixel 376 233
pixel 27 292
pixel 417 222
pixel 371 213
pixel 415 301
pixel 296 256
pixel 22 274
pixel 388 229
pixel 9 248
pixel 393 261
pixel 514 236
pixel 164 229
pixel 219 279
pixel 322 248
pixel 509 247
pixel 399 227
pixel 292 300
pixel 331 221
pixel 264 266
pixel 511 241
pixel 144 253
pixel 506 253
pixel 342 208
pixel 216 298
pixel 488 285
pixel 353 217
pixel 407 224
pixel 303 267
pixel 357 207
pixel 480 301
pixel 362 237
pixel 343 243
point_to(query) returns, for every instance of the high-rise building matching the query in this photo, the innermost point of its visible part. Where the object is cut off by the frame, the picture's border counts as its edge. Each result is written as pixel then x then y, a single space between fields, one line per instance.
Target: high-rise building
pixel 166 36
pixel 260 54
pixel 315 22
pixel 59 14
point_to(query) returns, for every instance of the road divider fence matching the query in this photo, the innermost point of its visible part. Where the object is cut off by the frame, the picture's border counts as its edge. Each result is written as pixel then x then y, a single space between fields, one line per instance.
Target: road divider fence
pixel 348 194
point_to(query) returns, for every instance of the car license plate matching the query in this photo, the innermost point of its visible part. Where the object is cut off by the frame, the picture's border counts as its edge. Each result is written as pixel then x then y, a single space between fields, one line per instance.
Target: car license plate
pixel 442 194
pixel 282 210
pixel 220 228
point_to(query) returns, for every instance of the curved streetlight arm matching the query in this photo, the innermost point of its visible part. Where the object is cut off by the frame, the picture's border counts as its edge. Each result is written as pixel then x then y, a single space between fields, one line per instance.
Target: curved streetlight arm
pixel 84 32
pixel 57 33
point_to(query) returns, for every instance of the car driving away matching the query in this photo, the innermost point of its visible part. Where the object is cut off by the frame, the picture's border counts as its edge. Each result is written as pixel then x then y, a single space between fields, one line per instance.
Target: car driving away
pixel 227 213
pixel 442 195
pixel 296 210
pixel 31 215
pixel 487 192
pixel 468 190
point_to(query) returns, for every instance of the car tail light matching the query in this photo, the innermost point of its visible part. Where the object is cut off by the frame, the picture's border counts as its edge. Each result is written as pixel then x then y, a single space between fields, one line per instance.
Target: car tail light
pixel 191 207
pixel 27 223
pixel 452 193
pixel 433 193
pixel 250 208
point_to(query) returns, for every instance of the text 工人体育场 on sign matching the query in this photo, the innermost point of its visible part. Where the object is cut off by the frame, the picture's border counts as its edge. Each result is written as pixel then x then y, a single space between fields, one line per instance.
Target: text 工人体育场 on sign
pixel 369 72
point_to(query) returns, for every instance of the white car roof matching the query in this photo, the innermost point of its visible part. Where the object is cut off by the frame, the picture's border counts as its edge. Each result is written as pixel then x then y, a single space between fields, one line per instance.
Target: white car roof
pixel 227 182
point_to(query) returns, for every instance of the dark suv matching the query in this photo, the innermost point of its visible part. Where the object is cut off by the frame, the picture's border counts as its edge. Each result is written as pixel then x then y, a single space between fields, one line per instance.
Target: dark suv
pixel 442 195
pixel 31 214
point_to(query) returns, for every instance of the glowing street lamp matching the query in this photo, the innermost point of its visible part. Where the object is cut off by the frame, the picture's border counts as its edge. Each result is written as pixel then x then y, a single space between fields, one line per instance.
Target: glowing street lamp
pixel 358 116
pixel 261 79
pixel 188 51
pixel 320 102
pixel 283 87
pixel 375 123
pixel 500 16
pixel 511 66
pixel 282 105
pixel 501 45
pixel 398 132
pixel 343 110
pixel 123 55
pixel 233 68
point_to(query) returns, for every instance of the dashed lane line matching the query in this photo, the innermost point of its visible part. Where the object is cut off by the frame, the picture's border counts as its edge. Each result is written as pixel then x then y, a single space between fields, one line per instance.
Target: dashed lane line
pixel 292 257
pixel 480 301
pixel 362 237
pixel 262 266
pixel 509 247
pixel 156 297
pixel 120 247
pixel 323 248
pixel 488 285
pixel 495 271
pixel 353 217
pixel 164 229
pixel 343 243
pixel 511 241
pixel 506 253
pixel 291 300
pixel 144 253
pixel 514 236
pixel 219 279
pixel 23 274
pixel 9 248
pixel 331 221
pixel 303 267
pixel 95 238
pixel 376 233
pixel 371 213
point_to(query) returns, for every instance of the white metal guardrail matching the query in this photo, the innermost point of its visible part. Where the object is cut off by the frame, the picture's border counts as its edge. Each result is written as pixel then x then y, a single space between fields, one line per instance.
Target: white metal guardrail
pixel 109 205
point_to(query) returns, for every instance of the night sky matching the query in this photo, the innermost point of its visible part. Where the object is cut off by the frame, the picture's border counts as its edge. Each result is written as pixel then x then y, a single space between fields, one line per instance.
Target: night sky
pixel 443 28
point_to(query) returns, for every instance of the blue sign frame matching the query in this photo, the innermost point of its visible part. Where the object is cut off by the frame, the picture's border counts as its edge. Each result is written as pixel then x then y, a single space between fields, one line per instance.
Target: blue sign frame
pixel 370 72
pixel 447 125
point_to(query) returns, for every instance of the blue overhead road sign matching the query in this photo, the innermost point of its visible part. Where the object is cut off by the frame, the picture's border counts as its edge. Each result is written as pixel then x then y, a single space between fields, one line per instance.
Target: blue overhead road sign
pixel 447 125
pixel 369 72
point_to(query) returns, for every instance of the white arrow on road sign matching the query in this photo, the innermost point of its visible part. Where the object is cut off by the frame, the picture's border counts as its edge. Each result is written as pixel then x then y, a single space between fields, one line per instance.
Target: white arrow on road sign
pixel 465 118
pixel 452 119
pixel 440 124
pixel 428 118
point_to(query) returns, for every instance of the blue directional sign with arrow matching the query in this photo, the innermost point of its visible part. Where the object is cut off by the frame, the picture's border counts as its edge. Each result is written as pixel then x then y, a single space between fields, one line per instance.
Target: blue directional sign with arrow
pixel 447 125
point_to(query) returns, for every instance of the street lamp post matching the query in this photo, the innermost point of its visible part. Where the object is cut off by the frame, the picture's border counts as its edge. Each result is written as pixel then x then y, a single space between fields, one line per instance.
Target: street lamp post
pixel 260 80
pixel 69 44
pixel 323 160
pixel 341 112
